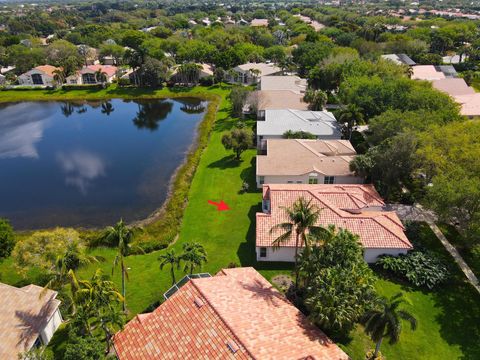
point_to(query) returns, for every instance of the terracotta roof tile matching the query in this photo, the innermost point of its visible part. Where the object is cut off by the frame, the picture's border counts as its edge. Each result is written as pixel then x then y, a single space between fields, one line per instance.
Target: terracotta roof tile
pixel 353 207
pixel 241 312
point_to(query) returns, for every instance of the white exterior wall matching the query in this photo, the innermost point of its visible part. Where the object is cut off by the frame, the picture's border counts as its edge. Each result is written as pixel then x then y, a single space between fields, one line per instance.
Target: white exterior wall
pixel 287 254
pixel 26 79
pixel 371 255
pixel 262 139
pixel 55 321
pixel 303 179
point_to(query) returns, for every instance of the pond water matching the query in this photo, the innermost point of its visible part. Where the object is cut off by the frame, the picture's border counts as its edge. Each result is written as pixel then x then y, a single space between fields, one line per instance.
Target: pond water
pixel 91 163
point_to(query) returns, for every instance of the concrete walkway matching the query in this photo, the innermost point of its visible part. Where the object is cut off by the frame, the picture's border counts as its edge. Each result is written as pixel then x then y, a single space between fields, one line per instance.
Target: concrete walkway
pixel 417 213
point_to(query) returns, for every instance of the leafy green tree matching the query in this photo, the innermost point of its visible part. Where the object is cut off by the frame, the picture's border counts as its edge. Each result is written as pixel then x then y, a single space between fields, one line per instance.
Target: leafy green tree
pixel 171 259
pixel 307 55
pixel 194 256
pixel 7 239
pixel 385 321
pixel 121 236
pixel 153 72
pixel 133 39
pixel 238 96
pixel 340 285
pixel 316 99
pixel 64 54
pixel 238 140
pixel 83 348
pixel 350 115
pixel 289 134
pixel 302 219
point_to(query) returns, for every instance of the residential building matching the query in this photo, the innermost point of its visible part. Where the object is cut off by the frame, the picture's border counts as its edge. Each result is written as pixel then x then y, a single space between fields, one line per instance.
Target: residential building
pixel 39 76
pixel 431 72
pixel 357 208
pixel 88 75
pixel 288 82
pixel 469 104
pixel 236 314
pixel 264 100
pixel 321 124
pixel 28 318
pixel 296 161
pixel 259 22
pixel 399 59
pixel 249 73
pixel 453 86
pixel 2 79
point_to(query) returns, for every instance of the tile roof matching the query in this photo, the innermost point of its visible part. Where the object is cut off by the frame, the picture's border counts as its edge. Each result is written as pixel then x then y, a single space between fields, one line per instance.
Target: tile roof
pixel 353 207
pixel 280 99
pixel 236 308
pixel 110 70
pixel 298 157
pixel 259 22
pixel 47 69
pixel 426 72
pixel 453 86
pixel 278 121
pixel 399 59
pixel 265 69
pixel 470 104
pixel 289 82
pixel 24 313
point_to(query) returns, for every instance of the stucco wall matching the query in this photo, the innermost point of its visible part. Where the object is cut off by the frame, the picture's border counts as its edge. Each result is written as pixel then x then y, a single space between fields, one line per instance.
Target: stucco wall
pixel 287 254
pixel 55 321
pixel 26 79
pixel 304 179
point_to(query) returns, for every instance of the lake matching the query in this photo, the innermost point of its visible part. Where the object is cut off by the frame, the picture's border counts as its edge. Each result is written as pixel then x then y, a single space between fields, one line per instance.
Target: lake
pixel 91 163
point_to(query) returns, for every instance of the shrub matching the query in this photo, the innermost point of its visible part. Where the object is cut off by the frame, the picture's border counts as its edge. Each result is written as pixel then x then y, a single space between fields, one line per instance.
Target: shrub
pixel 206 81
pixel 7 239
pixel 476 252
pixel 419 268
pixel 123 82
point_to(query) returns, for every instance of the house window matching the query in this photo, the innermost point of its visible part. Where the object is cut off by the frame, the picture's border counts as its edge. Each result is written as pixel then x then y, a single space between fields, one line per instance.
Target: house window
pixel 312 180
pixel 37 79
pixel 266 206
pixel 263 252
pixel 299 182
pixel 261 180
pixel 89 78
pixel 329 180
pixel 289 182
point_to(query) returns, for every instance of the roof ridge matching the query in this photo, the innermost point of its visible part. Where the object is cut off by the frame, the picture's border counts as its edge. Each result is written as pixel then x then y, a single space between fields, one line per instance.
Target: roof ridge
pixel 308 147
pixel 383 215
pixel 219 315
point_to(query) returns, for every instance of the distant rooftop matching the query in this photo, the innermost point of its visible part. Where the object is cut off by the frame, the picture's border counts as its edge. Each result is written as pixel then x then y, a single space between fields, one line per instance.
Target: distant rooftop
pixel 399 59
pixel 320 123
pixel 289 82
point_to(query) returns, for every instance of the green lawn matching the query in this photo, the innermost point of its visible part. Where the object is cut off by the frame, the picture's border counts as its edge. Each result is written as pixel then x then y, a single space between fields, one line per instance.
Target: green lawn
pixel 462 245
pixel 448 318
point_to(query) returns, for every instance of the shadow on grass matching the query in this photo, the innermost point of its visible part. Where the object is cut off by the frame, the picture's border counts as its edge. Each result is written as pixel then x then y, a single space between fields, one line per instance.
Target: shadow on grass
pixel 225 163
pixel 246 250
pixel 248 176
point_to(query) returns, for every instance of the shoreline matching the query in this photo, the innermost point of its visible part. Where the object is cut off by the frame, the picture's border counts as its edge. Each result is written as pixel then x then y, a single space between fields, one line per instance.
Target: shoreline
pixel 162 225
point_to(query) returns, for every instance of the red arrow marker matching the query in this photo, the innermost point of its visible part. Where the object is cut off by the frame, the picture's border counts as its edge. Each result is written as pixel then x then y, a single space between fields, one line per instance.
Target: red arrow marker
pixel 221 206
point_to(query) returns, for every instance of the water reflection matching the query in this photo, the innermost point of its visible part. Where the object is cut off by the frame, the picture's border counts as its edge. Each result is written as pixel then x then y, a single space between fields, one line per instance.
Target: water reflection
pixel 21 130
pixel 192 106
pixel 81 168
pixel 69 108
pixel 149 114
pixel 107 108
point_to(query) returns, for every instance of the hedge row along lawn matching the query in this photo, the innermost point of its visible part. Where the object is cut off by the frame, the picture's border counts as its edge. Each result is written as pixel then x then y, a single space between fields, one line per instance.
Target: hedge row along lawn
pixel 449 320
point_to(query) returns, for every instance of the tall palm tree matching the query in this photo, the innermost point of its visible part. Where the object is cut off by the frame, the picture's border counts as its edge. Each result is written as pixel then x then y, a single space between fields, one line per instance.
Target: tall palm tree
pixel 100 76
pixel 194 256
pixel 350 115
pixel 385 321
pixel 59 76
pixel 170 258
pixel 302 217
pixel 316 99
pixel 121 235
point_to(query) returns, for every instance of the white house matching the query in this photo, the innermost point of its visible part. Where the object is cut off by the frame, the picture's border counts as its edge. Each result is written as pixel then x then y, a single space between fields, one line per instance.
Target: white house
pixel 296 161
pixel 39 76
pixel 321 124
pixel 249 73
pixel 28 319
pixel 88 75
pixel 357 208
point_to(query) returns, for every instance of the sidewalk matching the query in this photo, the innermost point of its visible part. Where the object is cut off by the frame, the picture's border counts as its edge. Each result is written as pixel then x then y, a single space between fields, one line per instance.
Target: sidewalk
pixel 417 213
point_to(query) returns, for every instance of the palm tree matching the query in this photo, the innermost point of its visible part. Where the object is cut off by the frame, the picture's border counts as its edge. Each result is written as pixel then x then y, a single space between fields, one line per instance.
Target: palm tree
pixel 121 235
pixel 100 76
pixel 194 255
pixel 170 258
pixel 385 321
pixel 316 99
pixel 59 76
pixel 255 74
pixel 350 115
pixel 302 217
